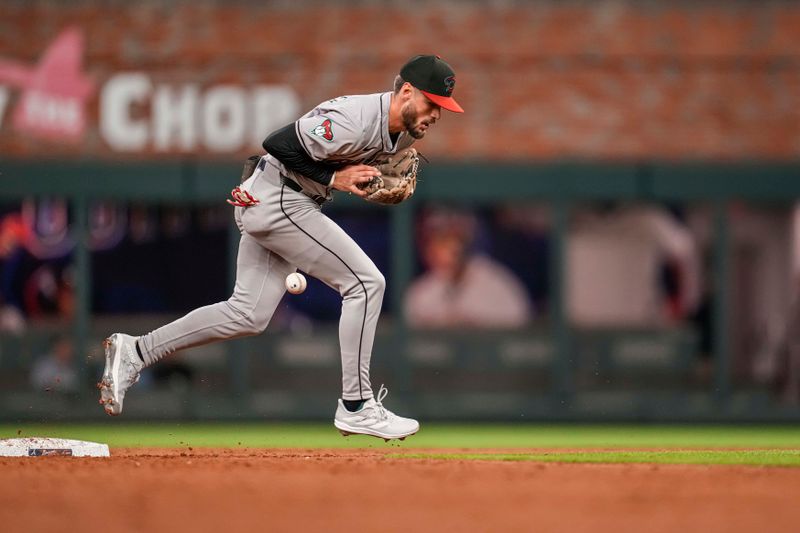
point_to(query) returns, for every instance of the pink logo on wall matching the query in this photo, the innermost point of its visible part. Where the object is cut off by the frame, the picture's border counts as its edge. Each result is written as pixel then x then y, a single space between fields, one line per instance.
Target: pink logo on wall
pixel 54 92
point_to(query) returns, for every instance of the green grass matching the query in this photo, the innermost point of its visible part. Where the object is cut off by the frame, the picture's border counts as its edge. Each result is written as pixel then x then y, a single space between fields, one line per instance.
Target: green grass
pixel 702 457
pixel 433 435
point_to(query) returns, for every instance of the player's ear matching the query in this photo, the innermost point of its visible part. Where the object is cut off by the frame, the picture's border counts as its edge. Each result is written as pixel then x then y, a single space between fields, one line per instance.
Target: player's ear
pixel 407 91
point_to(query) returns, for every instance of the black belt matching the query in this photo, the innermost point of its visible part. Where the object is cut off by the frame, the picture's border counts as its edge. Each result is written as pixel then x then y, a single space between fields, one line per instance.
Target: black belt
pixel 297 188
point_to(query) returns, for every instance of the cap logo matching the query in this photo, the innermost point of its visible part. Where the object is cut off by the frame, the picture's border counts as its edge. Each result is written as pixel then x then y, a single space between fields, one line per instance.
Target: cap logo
pixel 324 130
pixel 449 84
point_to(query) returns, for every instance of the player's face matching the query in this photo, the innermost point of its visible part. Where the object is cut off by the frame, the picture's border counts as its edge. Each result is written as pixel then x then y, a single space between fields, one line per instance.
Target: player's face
pixel 445 255
pixel 419 114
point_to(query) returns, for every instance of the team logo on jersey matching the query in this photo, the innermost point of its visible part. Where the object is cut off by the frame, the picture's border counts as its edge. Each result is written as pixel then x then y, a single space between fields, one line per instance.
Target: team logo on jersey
pixel 324 130
pixel 449 84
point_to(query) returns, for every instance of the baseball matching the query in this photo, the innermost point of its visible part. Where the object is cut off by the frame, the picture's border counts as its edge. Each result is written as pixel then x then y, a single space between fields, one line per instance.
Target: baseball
pixel 295 283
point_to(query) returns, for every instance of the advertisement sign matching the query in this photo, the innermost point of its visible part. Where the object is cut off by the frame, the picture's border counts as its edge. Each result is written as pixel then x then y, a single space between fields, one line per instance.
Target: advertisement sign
pixel 136 111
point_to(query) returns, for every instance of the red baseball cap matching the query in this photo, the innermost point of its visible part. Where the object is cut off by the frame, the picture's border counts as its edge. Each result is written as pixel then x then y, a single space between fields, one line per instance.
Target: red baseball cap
pixel 434 78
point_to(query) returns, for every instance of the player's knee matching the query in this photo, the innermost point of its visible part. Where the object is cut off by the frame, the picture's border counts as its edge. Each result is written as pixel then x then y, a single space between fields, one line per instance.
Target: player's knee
pixel 253 325
pixel 246 322
pixel 371 284
pixel 376 283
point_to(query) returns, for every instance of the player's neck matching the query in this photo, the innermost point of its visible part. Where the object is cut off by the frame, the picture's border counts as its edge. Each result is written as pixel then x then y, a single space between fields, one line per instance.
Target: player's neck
pixel 395 116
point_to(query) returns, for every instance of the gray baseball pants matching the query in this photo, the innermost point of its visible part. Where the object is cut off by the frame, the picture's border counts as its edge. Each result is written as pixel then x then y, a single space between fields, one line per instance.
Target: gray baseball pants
pixel 284 232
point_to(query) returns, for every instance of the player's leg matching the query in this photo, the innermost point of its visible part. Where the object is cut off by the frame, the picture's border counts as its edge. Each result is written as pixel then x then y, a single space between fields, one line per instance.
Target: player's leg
pixel 260 284
pixel 260 277
pixel 318 246
pixel 315 244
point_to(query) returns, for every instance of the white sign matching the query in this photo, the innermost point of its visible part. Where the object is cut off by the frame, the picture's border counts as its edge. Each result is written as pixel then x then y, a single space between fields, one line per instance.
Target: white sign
pixel 137 114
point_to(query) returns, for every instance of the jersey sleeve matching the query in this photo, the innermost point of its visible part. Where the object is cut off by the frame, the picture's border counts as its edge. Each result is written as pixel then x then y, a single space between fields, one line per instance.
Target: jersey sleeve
pixel 330 134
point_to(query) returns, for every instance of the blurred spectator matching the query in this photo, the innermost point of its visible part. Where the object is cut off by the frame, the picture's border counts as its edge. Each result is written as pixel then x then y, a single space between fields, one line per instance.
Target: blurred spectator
pixel 461 288
pixel 761 287
pixel 54 371
pixel 34 285
pixel 12 234
pixel 617 258
pixel 11 319
pixel 777 363
pixel 776 317
pixel 49 291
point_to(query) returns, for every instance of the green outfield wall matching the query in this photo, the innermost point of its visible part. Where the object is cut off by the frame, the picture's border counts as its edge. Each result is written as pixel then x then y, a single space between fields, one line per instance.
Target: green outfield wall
pixel 541 372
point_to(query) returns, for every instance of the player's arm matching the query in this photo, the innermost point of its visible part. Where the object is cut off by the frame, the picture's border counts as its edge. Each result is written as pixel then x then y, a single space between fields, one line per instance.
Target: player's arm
pixel 336 134
pixel 285 146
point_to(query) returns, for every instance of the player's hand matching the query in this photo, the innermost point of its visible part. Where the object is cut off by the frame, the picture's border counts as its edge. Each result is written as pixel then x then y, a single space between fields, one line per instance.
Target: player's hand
pixel 351 177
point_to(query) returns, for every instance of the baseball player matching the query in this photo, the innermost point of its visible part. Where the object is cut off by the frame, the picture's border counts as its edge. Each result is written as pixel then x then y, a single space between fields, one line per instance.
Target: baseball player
pixel 335 146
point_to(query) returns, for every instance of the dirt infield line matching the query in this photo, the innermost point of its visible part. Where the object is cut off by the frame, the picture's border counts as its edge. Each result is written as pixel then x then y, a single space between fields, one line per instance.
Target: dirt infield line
pixel 356 490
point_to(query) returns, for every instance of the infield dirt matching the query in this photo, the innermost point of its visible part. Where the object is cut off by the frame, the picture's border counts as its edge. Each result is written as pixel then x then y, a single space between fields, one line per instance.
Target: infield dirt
pixel 235 490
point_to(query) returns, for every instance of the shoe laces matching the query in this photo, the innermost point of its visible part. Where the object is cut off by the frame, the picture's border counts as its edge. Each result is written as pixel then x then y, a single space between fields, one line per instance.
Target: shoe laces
pixel 380 411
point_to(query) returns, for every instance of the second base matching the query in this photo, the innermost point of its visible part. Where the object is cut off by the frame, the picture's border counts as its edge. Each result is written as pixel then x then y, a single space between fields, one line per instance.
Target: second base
pixel 46 446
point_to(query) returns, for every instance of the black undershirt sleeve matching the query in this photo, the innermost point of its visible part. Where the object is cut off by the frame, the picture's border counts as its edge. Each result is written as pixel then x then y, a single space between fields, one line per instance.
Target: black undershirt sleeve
pixel 285 146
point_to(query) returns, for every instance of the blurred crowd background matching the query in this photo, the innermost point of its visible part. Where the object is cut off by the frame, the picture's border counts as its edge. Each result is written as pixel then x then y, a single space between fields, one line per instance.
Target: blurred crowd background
pixel 610 231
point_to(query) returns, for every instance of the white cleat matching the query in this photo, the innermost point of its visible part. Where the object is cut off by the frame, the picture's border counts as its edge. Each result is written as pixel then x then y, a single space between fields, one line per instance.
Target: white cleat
pixel 121 372
pixel 375 420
